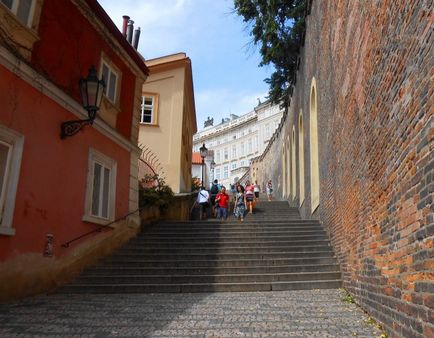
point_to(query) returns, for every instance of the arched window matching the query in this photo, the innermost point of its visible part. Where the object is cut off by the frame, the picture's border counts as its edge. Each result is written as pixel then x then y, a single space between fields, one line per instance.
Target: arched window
pixel 301 155
pixel 314 161
pixel 294 166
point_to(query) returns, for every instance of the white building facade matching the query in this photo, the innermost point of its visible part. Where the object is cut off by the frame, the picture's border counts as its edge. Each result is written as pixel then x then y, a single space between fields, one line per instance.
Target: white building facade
pixel 236 140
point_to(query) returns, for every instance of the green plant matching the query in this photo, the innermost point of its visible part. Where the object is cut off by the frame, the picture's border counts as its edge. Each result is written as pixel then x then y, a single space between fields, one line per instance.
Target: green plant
pixel 370 321
pixel 348 299
pixel 277 27
pixel 155 192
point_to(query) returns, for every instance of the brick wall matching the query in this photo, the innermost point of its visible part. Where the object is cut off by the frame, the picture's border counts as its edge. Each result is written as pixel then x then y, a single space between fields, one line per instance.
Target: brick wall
pixel 373 65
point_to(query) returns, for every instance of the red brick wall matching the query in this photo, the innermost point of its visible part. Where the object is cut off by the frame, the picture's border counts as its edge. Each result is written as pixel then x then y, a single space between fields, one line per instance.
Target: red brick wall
pixel 373 65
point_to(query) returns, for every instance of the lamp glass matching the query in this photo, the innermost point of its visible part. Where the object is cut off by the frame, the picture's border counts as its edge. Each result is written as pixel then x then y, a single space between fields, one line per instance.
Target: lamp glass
pixel 203 151
pixel 91 90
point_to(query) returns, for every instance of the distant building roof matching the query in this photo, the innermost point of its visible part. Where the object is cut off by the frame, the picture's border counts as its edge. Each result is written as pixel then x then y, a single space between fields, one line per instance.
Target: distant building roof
pixel 196 158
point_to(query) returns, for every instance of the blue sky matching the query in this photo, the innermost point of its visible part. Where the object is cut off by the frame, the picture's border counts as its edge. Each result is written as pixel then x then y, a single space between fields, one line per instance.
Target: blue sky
pixel 226 75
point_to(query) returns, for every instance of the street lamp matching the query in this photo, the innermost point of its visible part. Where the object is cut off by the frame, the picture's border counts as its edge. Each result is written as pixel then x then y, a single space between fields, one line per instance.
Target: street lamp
pixel 91 91
pixel 203 153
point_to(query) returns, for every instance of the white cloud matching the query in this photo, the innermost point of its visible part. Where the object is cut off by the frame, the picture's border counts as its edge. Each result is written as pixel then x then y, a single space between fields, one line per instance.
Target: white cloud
pixel 162 16
pixel 214 39
pixel 220 103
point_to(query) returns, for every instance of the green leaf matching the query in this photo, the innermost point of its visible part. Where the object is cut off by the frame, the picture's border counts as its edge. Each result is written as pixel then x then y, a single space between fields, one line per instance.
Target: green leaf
pixel 277 28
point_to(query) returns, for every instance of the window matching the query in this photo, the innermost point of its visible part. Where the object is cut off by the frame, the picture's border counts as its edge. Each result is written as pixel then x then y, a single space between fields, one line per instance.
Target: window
pixel 225 171
pixel 101 188
pixel 242 148
pixel 23 9
pixel 11 150
pixel 267 131
pixel 234 151
pixel 226 154
pixel 148 109
pixel 217 173
pixel 256 143
pixel 234 137
pixel 234 166
pixel 110 78
pixel 250 146
pixel 217 156
pixel 242 163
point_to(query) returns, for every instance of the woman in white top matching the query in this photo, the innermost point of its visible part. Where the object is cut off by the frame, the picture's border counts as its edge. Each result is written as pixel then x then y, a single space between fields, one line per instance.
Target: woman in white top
pixel 256 190
pixel 203 201
pixel 270 190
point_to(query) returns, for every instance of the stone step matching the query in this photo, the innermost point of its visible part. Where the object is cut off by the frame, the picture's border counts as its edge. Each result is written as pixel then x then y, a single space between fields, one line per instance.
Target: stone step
pixel 113 271
pixel 273 249
pixel 248 220
pixel 212 287
pixel 231 232
pixel 224 227
pixel 229 238
pixel 140 262
pixel 235 235
pixel 206 279
pixel 222 256
pixel 253 243
pixel 227 250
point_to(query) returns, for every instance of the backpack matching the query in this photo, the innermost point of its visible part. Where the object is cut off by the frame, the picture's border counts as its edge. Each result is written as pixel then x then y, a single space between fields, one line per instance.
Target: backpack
pixel 214 189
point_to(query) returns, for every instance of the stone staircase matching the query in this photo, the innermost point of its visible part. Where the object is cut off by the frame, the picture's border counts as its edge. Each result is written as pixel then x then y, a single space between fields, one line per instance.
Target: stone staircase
pixel 272 249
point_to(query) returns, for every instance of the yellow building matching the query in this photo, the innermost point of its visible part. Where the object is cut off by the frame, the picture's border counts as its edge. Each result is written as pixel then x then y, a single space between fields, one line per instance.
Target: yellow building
pixel 168 118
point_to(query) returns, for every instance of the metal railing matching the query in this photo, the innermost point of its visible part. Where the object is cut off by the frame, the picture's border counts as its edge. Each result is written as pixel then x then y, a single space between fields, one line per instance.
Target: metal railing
pixel 99 229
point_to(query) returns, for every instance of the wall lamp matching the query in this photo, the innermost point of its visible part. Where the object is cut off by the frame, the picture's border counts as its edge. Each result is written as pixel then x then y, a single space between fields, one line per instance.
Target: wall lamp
pixel 91 91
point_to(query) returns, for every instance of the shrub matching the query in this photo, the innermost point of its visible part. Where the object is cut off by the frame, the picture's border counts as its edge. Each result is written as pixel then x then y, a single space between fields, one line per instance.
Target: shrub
pixel 153 190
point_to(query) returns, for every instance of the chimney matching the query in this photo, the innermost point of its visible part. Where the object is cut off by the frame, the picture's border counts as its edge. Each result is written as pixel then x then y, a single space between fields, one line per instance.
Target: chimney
pixel 130 28
pixel 124 25
pixel 136 38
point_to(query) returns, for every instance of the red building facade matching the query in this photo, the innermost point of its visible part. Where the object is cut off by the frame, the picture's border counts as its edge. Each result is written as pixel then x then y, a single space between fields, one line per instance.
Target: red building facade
pixel 53 189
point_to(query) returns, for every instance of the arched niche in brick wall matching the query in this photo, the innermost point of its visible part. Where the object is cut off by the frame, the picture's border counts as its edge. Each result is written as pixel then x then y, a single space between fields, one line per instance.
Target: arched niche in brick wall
pixel 301 155
pixel 283 171
pixel 294 165
pixel 288 167
pixel 313 133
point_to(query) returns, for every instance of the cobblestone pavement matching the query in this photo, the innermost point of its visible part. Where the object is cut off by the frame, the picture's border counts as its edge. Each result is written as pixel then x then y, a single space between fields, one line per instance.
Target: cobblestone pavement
pixel 317 313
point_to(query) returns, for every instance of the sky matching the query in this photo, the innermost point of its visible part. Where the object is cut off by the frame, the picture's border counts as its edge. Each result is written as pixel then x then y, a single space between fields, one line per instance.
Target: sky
pixel 226 76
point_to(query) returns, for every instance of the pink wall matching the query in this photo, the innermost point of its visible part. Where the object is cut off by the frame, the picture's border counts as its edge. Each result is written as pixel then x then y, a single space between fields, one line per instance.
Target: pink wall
pixel 52 185
pixel 68 46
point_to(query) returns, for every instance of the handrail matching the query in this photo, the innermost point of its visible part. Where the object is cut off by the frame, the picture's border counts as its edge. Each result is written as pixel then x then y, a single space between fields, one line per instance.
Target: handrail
pixel 100 227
